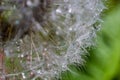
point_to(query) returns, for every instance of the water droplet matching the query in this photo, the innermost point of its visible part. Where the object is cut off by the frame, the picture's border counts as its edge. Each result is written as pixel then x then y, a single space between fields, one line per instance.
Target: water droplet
pixel 23 75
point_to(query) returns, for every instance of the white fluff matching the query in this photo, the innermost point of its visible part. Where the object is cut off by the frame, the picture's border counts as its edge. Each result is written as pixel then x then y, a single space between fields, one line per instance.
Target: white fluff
pixel 72 23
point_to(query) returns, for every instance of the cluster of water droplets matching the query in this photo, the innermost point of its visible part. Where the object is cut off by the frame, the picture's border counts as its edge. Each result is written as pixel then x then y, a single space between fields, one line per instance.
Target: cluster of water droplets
pixel 59 36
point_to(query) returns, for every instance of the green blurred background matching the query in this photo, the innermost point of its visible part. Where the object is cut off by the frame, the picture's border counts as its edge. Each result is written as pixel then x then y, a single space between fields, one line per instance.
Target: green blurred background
pixel 103 63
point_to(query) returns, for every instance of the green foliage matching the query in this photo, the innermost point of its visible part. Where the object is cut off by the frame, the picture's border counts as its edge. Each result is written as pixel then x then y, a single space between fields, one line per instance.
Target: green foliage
pixel 12 65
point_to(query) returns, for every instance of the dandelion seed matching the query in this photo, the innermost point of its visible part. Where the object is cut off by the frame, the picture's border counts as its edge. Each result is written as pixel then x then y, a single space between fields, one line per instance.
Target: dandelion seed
pixel 50 34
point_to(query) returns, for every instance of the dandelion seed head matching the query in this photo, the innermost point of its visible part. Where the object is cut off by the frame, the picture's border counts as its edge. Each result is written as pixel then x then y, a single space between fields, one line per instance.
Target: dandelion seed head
pixel 50 34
